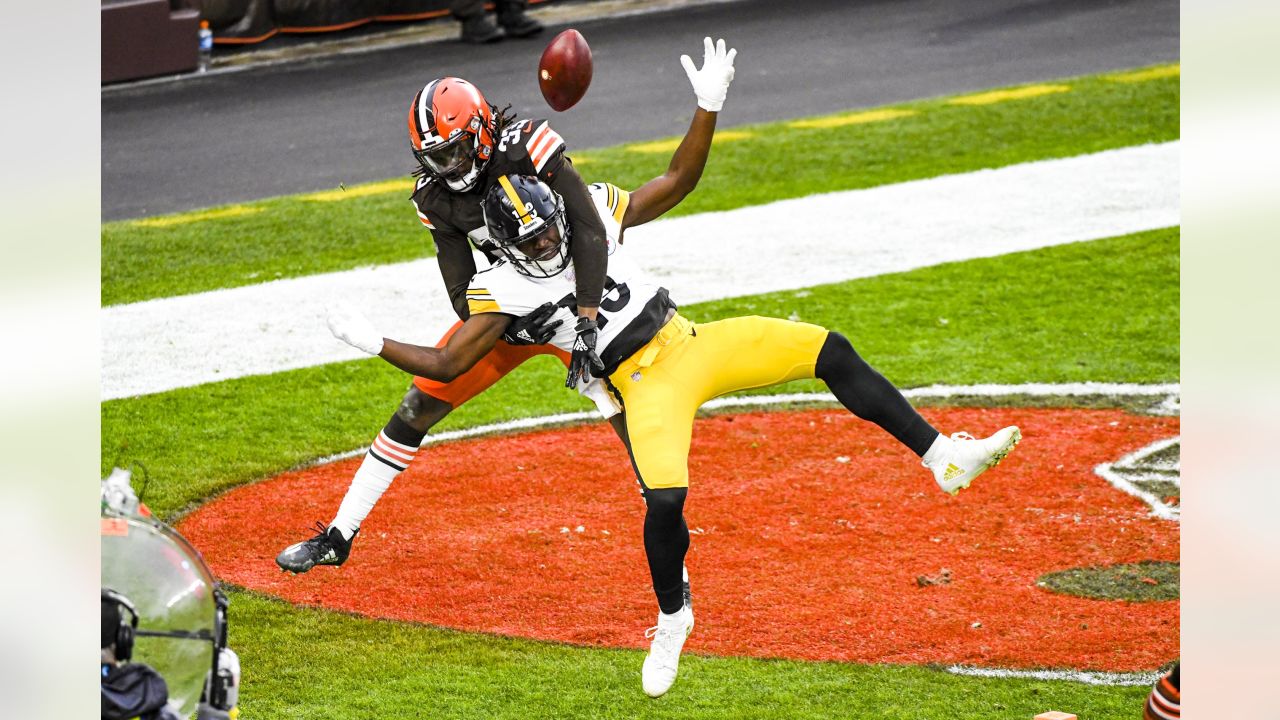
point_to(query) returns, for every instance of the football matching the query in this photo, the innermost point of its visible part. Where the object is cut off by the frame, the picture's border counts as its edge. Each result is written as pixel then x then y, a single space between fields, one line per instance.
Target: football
pixel 564 72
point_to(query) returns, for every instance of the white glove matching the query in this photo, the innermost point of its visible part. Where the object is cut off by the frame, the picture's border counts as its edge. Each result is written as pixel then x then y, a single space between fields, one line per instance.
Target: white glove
pixel 711 83
pixel 353 328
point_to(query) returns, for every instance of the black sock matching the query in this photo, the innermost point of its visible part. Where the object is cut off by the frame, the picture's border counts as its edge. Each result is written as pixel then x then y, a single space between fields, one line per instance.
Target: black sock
pixel 402 432
pixel 867 394
pixel 666 540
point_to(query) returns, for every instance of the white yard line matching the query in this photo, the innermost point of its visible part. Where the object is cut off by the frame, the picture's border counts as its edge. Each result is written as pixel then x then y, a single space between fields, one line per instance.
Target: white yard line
pixel 1087 389
pixel 1081 676
pixel 158 345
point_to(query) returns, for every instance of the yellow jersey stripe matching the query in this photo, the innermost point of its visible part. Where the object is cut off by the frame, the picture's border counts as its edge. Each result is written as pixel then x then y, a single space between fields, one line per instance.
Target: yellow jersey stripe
pixel 482 306
pixel 624 199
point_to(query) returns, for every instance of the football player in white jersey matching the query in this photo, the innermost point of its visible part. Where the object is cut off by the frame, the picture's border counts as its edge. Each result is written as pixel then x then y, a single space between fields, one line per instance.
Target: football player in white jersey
pixel 658 368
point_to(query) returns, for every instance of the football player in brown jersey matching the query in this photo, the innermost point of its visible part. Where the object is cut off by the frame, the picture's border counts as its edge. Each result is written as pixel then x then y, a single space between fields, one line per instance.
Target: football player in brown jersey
pixel 463 145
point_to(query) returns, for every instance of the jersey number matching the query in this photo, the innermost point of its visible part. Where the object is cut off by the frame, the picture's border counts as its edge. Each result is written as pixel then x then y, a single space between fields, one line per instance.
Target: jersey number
pixel 570 301
pixel 512 135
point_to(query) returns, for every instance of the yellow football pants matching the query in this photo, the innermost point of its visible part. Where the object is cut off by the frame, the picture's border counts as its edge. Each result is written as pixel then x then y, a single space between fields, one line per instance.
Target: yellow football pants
pixel 665 382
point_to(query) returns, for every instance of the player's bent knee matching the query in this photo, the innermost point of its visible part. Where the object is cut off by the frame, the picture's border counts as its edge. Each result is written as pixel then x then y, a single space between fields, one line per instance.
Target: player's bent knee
pixel 420 410
pixel 837 358
pixel 666 503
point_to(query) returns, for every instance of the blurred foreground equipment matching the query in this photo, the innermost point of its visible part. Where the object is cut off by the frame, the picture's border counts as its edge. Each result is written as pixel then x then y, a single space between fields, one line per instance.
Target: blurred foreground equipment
pixel 181 613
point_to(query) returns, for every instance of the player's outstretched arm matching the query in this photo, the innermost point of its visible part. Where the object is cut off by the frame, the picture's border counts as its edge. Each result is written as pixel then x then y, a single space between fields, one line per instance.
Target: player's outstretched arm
pixel 711 85
pixel 466 346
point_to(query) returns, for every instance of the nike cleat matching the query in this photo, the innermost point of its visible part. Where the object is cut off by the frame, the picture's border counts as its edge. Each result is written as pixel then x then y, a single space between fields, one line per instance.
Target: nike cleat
pixel 966 458
pixel 326 548
pixel 663 661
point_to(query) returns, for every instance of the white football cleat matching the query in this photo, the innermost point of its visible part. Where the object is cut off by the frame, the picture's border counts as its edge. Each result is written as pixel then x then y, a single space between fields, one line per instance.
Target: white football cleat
pixel 663 660
pixel 965 458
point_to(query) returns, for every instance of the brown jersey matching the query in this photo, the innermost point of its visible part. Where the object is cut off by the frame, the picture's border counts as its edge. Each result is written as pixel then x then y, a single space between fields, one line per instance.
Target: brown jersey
pixel 525 147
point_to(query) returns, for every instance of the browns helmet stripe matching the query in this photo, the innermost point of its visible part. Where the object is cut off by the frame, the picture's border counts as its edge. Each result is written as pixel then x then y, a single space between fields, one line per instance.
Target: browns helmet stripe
pixel 421 117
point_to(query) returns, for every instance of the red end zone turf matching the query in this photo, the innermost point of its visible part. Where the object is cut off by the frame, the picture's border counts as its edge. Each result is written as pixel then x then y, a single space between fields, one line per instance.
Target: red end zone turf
pixel 795 553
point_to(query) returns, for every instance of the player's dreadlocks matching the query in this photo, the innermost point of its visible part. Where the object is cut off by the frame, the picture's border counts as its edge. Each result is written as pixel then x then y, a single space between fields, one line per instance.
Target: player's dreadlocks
pixel 502 119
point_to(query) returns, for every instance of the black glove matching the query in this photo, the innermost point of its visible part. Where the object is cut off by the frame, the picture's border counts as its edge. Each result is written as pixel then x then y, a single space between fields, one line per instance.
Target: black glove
pixel 533 329
pixel 585 362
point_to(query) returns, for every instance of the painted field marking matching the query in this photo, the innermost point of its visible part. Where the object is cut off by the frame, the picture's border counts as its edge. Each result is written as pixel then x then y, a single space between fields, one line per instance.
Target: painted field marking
pixel 279 325
pixel 997 96
pixel 987 390
pixel 1155 73
pixel 1079 676
pixel 358 191
pixel 532 520
pixel 670 144
pixel 869 116
pixel 216 214
pixel 1140 459
pixel 1121 475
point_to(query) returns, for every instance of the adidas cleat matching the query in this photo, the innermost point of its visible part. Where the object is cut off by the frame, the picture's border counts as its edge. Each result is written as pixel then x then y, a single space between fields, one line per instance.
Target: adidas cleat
pixel 326 548
pixel 966 458
pixel 658 673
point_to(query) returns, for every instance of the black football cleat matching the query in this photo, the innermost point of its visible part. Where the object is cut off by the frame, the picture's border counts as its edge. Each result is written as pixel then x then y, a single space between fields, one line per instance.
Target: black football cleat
pixel 326 548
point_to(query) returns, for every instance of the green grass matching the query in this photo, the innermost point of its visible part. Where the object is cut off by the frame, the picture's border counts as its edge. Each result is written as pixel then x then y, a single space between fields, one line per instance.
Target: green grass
pixel 1118 582
pixel 317 665
pixel 291 236
pixel 1069 313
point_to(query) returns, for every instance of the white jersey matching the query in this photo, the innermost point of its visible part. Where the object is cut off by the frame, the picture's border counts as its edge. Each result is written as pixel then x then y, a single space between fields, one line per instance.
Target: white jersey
pixel 632 309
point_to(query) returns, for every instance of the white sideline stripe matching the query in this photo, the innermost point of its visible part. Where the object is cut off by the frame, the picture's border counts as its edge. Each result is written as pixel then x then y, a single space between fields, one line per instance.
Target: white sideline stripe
pixel 1079 676
pixel 167 343
pixel 930 391
pixel 1116 474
